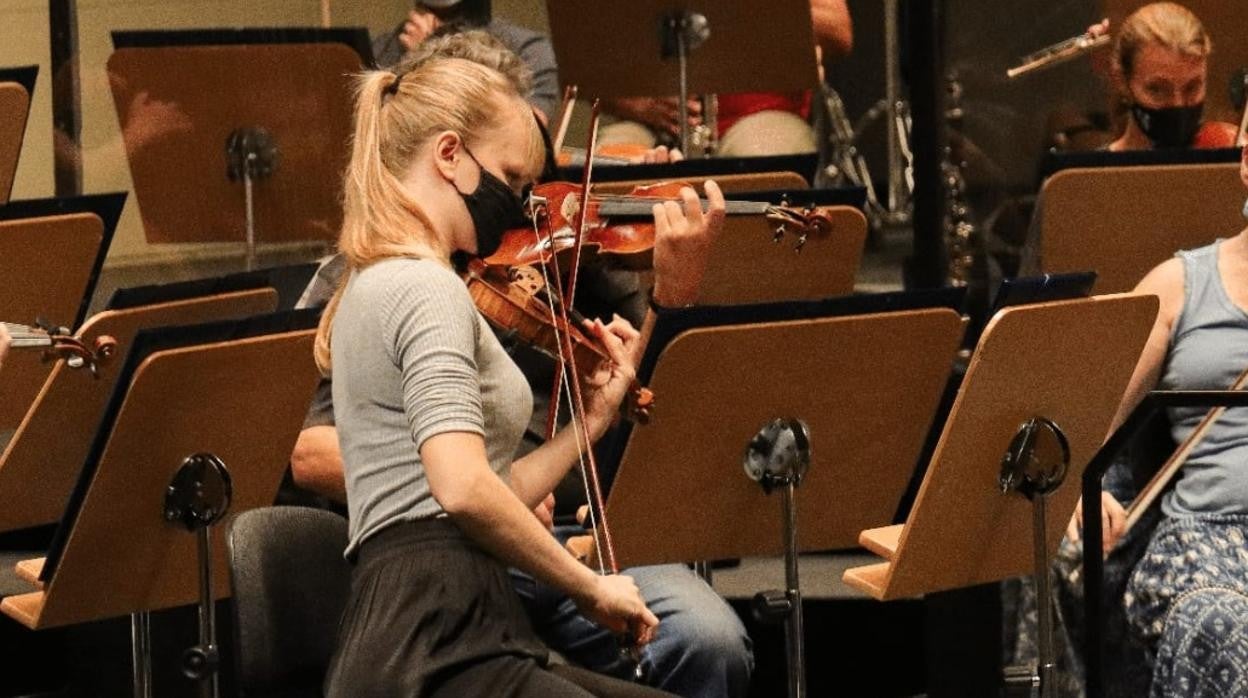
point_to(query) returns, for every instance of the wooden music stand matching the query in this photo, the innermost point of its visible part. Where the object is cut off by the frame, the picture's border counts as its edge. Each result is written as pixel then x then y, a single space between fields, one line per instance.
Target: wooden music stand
pixel 51 252
pixel 236 136
pixel 1065 363
pixel 866 385
pixel 16 87
pixel 40 464
pixel 637 66
pixel 1123 221
pixel 185 396
pixel 864 388
pixel 749 265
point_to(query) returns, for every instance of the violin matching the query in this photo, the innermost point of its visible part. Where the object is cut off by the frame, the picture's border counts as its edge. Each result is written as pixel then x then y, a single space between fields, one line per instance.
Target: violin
pixel 1216 134
pixel 59 343
pixel 518 302
pixel 622 225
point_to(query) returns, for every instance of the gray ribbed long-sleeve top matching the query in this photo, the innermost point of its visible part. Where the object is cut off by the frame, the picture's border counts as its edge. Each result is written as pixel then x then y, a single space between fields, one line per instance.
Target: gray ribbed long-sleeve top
pixel 412 358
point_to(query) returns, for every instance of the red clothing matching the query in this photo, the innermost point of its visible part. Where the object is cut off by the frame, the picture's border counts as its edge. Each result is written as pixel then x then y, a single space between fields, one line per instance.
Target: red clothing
pixel 733 107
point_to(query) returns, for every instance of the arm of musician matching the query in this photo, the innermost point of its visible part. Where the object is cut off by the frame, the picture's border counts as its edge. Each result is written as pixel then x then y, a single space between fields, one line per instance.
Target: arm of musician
pixel 834 28
pixel 489 512
pixel 1166 282
pixel 536 475
pixel 661 114
pixel 316 463
pixel 4 344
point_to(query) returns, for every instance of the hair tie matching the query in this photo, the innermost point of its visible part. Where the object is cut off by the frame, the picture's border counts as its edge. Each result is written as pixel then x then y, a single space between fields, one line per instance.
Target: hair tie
pixel 393 87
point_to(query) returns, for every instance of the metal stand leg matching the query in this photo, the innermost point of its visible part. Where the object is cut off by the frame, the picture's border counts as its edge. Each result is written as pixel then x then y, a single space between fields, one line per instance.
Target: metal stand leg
pixel 1035 467
pixel 795 647
pixel 1046 663
pixel 778 457
pixel 141 653
pixel 197 498
pixel 684 32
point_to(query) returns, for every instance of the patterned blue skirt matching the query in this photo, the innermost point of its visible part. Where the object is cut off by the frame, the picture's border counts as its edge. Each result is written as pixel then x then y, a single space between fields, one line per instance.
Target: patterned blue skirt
pixel 1187 601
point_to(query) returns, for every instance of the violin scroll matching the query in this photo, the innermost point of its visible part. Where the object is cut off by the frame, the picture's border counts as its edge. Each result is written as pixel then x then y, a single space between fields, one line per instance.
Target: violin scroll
pixel 60 343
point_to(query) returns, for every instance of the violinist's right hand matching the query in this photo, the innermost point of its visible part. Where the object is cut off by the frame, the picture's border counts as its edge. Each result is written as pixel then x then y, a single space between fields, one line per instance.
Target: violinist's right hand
pixel 683 236
pixel 615 603
pixel 613 379
pixel 419 25
pixel 1113 522
pixel 661 114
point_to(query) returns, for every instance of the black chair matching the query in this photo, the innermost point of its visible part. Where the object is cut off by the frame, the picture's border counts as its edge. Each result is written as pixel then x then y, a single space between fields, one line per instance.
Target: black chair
pixel 290 584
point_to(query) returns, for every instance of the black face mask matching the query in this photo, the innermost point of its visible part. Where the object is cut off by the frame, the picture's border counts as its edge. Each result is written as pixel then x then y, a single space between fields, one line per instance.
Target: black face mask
pixel 494 208
pixel 1172 127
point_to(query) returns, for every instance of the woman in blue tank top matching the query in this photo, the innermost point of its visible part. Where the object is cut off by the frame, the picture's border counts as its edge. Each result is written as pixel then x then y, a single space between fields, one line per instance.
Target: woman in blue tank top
pixel 1187 599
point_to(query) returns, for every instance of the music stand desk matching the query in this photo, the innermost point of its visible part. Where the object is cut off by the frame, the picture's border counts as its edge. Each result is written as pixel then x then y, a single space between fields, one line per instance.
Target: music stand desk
pixel 866 385
pixel 119 555
pixel 40 464
pixel 1123 221
pixel 51 252
pixel 16 87
pixel 748 265
pixel 179 102
pixel 1068 362
pixel 620 53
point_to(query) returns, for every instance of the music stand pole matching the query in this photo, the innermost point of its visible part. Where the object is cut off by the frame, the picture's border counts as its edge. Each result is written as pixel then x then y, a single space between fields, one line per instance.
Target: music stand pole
pixel 1035 466
pixel 198 496
pixel 683 32
pixel 251 154
pixel 896 124
pixel 141 653
pixel 779 456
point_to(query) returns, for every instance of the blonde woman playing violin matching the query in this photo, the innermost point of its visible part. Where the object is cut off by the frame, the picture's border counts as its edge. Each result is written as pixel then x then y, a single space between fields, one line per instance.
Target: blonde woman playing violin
pixel 429 408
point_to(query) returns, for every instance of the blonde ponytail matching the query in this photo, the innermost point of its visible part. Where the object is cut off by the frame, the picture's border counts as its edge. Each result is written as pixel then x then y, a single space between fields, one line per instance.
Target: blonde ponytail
pixel 395 115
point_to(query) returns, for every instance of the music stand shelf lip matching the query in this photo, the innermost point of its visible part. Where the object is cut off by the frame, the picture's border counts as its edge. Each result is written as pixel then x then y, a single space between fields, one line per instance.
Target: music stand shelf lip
pixel 107 207
pixel 805 165
pixel 1055 163
pixel 25 75
pixel 355 38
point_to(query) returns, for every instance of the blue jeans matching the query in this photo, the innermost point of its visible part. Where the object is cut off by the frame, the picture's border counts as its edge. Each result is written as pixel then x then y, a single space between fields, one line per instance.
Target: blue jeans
pixel 701 648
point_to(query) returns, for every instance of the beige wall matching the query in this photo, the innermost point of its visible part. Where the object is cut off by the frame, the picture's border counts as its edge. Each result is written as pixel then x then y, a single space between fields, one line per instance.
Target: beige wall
pixel 24 35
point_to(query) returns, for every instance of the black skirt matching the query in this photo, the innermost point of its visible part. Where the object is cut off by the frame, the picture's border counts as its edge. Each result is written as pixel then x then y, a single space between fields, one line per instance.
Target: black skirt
pixel 432 614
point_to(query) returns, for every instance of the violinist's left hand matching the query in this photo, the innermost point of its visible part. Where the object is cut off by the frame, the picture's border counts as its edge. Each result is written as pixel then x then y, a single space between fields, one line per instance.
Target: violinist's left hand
pixel 610 383
pixel 683 236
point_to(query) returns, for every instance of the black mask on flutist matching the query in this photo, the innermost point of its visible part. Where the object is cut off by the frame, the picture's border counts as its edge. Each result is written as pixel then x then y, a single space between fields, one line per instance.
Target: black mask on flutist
pixel 1171 127
pixel 494 209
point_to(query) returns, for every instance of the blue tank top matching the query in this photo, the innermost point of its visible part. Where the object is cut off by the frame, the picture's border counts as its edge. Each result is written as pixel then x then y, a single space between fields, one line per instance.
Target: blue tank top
pixel 1208 350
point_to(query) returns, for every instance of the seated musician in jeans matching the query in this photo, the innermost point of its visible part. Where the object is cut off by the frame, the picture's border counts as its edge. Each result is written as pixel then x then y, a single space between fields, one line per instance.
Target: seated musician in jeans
pixel 748 124
pixel 701 648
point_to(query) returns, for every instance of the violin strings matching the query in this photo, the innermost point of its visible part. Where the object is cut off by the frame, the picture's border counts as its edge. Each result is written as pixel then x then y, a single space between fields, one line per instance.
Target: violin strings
pixel 578 429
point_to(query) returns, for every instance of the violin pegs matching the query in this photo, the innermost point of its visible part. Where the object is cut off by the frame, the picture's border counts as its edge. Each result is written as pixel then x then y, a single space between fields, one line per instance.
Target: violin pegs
pixel 801 242
pixel 778 235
